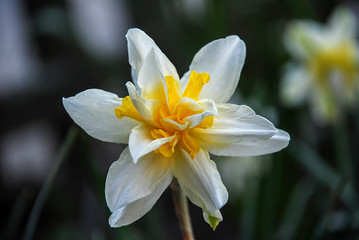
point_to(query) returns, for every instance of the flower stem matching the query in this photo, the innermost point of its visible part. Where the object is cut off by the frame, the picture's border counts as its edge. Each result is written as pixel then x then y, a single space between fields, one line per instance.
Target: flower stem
pixel 343 156
pixel 181 206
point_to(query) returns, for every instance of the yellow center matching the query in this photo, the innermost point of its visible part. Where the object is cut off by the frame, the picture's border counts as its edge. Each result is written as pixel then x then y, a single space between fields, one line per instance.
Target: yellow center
pixel 340 59
pixel 170 115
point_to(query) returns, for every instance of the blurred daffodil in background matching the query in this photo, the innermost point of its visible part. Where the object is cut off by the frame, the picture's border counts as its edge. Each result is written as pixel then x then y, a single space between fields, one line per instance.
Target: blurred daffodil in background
pixel 170 125
pixel 324 69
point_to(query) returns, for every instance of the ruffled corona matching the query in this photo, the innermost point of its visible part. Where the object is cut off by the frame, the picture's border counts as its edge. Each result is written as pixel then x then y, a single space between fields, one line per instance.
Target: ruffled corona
pixel 171 117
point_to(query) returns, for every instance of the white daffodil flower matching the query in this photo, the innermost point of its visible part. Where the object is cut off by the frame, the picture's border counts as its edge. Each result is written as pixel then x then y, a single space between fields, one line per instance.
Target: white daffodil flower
pixel 325 70
pixel 171 125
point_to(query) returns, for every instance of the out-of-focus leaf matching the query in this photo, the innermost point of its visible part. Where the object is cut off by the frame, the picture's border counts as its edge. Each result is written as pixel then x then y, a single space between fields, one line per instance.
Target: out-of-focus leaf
pixel 328 177
pixel 250 206
pixel 295 210
pixel 309 159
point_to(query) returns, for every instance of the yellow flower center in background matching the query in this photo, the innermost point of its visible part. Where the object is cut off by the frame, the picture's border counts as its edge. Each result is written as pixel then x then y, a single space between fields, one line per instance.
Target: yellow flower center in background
pixel 340 59
pixel 171 115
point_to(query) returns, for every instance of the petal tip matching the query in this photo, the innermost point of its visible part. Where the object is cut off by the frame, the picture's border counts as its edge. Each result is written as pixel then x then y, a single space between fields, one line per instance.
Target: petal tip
pixel 213 219
pixel 132 30
pixel 66 102
pixel 114 221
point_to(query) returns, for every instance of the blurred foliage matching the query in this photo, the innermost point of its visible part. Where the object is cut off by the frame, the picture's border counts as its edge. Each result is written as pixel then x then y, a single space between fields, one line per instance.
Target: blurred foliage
pixel 310 190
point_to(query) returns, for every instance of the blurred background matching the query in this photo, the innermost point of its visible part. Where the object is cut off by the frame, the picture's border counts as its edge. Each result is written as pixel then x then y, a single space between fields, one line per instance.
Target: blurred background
pixel 53 49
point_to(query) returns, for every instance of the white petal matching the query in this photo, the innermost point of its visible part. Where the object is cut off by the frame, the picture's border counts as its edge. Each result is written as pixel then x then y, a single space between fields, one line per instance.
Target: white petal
pixel 255 148
pixel 145 107
pixel 94 111
pixel 207 105
pixel 142 143
pixel 200 180
pixel 223 60
pixel 196 119
pixel 139 45
pixel 303 38
pixel 234 124
pixel 151 80
pixel 295 86
pixel 135 210
pixel 127 182
pixel 185 104
pixel 171 124
pixel 343 22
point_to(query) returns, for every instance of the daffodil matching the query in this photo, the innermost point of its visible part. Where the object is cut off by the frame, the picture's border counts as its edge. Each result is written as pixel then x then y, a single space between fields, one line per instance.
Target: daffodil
pixel 171 125
pixel 325 67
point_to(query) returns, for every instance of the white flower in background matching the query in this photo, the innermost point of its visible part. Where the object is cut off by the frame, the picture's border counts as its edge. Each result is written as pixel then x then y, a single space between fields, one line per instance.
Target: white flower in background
pixel 170 125
pixel 326 65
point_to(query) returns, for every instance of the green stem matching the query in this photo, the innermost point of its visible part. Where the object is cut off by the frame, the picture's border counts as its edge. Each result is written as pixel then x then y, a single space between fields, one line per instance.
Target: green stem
pixel 18 211
pixel 343 157
pixel 181 206
pixel 46 187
